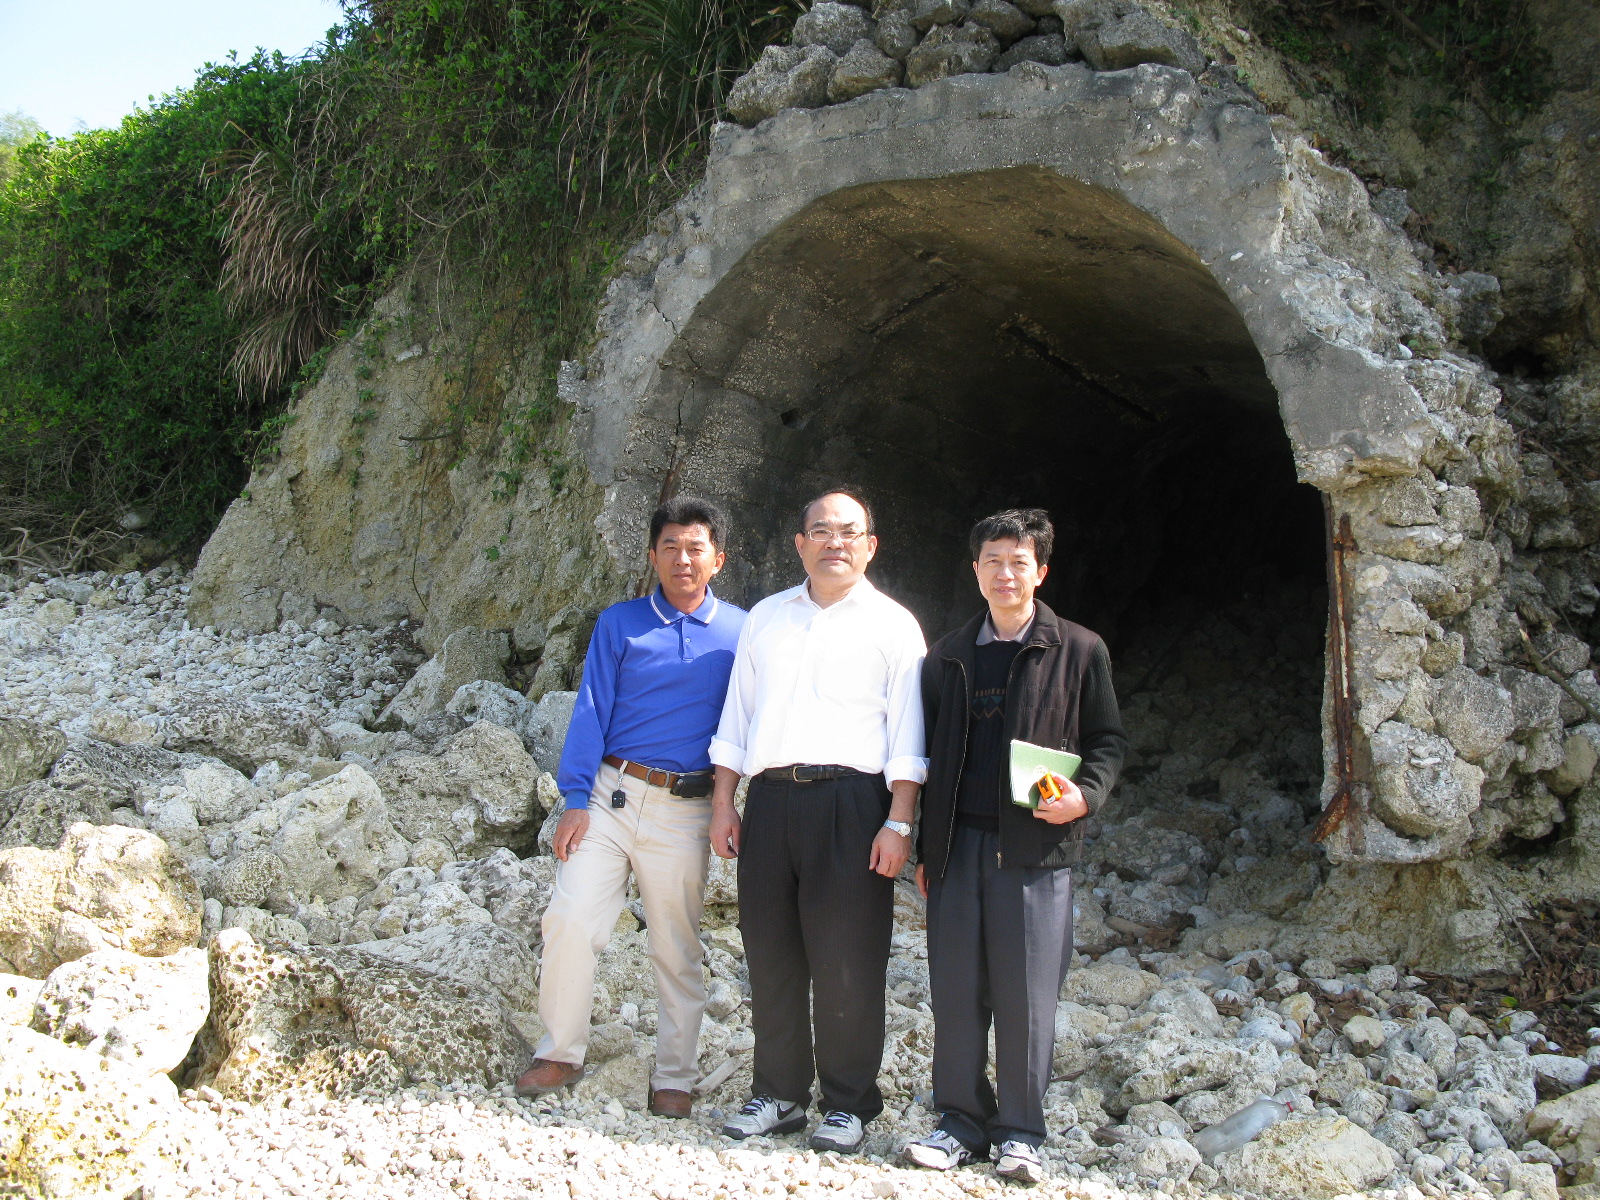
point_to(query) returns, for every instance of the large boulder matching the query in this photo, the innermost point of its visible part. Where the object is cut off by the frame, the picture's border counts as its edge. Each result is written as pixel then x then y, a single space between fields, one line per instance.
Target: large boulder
pixel 140 1011
pixel 17 996
pixel 546 730
pixel 1138 37
pixel 1475 713
pixel 478 793
pixel 244 736
pixel 337 1020
pixel 106 887
pixel 783 77
pixel 27 750
pixel 75 1125
pixel 478 955
pixel 336 838
pixel 469 654
pixel 1420 786
pixel 834 25
pixel 1316 1158
pixel 1570 1125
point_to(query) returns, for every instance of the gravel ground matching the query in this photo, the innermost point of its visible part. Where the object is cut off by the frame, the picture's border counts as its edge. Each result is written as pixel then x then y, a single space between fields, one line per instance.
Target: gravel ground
pixel 425 1144
pixel 125 644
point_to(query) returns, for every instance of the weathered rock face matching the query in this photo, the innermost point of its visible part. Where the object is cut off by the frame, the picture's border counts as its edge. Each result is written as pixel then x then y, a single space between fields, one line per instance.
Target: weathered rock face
pixel 27 751
pixel 105 888
pixel 335 1020
pixel 1319 1159
pixel 479 793
pixel 140 1011
pixel 75 1125
pixel 1571 1127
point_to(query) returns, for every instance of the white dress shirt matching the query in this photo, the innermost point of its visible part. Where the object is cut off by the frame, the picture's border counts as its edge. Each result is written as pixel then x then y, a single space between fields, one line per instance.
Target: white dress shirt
pixel 834 686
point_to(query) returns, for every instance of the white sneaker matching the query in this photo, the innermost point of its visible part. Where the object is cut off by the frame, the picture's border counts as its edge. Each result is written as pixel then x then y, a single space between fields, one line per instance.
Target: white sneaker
pixel 839 1131
pixel 1019 1161
pixel 765 1115
pixel 939 1151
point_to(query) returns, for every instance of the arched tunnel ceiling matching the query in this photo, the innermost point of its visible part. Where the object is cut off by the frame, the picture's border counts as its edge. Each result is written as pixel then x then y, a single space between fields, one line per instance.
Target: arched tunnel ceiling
pixel 962 344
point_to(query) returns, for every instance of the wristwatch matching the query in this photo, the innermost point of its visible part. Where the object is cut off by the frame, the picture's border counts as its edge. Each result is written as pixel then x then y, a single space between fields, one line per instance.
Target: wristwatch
pixel 901 827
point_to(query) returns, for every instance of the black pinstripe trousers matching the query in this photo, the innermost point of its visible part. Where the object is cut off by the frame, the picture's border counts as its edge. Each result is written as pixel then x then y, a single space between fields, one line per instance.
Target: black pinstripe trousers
pixel 816 923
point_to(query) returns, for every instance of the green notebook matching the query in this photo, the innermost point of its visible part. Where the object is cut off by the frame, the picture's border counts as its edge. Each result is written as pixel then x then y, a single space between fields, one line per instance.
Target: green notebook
pixel 1028 765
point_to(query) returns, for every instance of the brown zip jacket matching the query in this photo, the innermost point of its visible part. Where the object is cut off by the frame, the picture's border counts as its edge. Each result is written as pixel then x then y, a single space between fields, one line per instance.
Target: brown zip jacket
pixel 1059 694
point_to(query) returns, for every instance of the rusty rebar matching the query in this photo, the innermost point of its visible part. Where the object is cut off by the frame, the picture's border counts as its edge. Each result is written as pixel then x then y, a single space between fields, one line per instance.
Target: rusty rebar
pixel 1342 804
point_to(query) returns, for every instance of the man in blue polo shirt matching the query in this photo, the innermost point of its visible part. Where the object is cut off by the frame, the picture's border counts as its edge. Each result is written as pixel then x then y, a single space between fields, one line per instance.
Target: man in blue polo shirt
pixel 636 776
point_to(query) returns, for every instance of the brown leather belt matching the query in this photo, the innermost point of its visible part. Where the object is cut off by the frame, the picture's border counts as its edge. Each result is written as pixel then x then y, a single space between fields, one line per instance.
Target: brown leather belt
pixel 654 776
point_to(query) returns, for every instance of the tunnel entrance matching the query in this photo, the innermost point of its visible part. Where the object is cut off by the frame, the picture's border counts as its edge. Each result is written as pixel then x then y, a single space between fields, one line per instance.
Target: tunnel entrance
pixel 964 344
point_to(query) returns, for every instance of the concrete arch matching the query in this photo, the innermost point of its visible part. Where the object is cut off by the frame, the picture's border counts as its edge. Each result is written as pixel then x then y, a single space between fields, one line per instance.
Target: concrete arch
pixel 1244 200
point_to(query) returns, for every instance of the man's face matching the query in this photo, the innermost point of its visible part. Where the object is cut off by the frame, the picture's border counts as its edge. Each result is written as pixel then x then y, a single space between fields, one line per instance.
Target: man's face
pixel 685 559
pixel 1008 576
pixel 836 547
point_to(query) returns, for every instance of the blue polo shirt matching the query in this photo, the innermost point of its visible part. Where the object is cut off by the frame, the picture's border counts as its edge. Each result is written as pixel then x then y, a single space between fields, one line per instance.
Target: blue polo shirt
pixel 652 689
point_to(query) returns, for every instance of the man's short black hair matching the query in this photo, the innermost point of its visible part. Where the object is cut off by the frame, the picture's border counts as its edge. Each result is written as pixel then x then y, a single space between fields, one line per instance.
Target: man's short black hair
pixel 1020 525
pixel 690 510
pixel 843 489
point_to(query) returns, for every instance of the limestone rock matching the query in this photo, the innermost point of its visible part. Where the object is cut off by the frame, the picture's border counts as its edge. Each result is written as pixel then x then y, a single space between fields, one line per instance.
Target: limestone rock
pixel 1420 786
pixel 895 37
pixel 1110 983
pixel 106 887
pixel 24 635
pixel 1316 1158
pixel 1580 752
pixel 1164 1158
pixel 40 813
pixel 783 77
pixel 243 735
pixel 479 792
pixel 836 26
pixel 1364 1033
pixel 17 995
pixel 467 655
pixel 1116 40
pixel 926 14
pixel 515 891
pixel 485 700
pixel 1139 851
pixel 1001 18
pixel 337 1020
pixel 1570 1125
pixel 336 838
pixel 479 955
pixel 1047 48
pixel 863 69
pixel 951 50
pixel 27 751
pixel 140 1011
pixel 1271 886
pixel 546 730
pixel 1474 713
pixel 75 1125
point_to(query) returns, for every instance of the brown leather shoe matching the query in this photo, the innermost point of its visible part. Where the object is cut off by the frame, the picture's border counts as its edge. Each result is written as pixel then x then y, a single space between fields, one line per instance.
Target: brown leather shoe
pixel 670 1102
pixel 546 1076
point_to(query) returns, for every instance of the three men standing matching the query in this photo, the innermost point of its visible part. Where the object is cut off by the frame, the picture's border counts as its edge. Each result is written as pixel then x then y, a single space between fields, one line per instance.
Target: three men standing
pixel 637 783
pixel 824 715
pixel 998 876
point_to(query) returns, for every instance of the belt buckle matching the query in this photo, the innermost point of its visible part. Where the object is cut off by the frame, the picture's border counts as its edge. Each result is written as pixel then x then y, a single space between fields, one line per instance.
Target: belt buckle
pixel 650 774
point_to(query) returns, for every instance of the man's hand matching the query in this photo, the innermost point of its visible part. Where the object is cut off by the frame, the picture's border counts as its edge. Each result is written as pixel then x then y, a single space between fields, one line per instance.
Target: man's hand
pixel 574 823
pixel 1069 807
pixel 725 830
pixel 889 852
pixel 725 824
pixel 922 880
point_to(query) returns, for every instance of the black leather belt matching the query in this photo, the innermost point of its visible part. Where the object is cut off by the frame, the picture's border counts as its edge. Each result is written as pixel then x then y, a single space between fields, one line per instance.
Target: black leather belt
pixel 807 773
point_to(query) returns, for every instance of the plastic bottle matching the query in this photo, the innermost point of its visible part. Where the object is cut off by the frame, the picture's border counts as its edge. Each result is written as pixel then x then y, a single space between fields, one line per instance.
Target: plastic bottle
pixel 1233 1132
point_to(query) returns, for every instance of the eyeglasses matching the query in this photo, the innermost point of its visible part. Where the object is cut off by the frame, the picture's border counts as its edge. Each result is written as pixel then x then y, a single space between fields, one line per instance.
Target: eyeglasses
pixel 821 533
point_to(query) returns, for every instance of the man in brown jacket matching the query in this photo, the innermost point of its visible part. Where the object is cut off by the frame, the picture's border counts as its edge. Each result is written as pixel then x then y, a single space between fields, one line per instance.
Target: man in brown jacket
pixel 998 876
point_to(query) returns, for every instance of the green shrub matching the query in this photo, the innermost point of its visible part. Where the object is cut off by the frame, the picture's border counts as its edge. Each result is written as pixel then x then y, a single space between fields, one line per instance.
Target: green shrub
pixel 163 285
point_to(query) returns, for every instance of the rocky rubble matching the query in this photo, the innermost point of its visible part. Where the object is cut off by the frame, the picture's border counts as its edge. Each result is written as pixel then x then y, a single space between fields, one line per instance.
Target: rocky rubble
pixel 841 50
pixel 370 927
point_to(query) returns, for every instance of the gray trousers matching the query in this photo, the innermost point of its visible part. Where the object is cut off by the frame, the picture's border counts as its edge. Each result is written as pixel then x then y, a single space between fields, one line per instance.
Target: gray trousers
pixel 999 944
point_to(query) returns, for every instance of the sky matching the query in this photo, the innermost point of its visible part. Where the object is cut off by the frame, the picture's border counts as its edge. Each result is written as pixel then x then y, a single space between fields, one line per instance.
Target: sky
pixel 71 64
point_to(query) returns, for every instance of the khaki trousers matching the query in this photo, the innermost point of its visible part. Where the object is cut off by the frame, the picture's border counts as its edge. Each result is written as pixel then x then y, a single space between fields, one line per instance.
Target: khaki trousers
pixel 664 841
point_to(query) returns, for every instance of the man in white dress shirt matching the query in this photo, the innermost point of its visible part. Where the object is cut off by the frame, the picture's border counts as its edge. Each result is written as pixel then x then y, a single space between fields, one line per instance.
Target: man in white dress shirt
pixel 824 713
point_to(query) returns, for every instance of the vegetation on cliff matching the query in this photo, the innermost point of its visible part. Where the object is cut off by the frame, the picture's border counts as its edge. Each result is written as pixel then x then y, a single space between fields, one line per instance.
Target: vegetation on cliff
pixel 164 284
